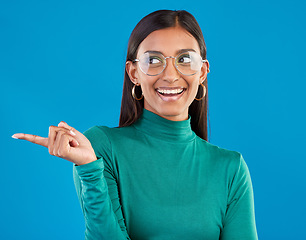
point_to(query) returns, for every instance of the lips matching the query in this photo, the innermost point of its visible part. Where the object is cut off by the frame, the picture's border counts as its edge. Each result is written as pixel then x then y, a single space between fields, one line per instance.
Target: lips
pixel 170 91
pixel 170 94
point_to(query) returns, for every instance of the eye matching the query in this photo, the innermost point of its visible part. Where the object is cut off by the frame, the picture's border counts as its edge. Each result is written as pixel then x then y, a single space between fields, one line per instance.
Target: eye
pixel 184 59
pixel 154 60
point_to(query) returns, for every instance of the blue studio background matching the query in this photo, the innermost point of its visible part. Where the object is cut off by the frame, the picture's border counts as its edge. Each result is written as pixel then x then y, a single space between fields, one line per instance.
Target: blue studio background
pixel 64 60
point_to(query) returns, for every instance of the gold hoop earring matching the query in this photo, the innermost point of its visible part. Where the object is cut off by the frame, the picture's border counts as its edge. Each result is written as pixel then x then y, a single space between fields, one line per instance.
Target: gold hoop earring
pixel 204 90
pixel 134 95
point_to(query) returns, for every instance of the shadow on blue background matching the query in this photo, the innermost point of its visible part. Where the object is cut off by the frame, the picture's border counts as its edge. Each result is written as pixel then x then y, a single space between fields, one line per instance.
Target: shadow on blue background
pixel 64 60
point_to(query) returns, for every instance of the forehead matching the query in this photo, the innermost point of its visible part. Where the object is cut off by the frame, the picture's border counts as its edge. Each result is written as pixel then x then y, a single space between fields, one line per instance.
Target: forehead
pixel 168 41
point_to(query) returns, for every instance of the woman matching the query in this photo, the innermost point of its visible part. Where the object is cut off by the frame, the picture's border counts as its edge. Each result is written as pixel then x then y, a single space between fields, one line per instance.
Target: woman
pixel 156 176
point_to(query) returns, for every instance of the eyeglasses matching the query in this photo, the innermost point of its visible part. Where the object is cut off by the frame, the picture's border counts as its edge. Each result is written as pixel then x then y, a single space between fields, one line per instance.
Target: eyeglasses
pixel 154 63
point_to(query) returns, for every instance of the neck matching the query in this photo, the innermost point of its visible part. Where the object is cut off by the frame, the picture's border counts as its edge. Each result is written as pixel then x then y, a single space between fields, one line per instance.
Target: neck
pixel 169 115
pixel 157 126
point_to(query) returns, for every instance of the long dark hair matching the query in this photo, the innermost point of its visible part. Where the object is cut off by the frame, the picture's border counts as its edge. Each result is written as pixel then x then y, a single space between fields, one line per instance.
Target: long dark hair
pixel 132 109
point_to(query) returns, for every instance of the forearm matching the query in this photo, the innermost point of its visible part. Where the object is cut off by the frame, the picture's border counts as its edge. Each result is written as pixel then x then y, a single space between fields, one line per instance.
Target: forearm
pixel 100 220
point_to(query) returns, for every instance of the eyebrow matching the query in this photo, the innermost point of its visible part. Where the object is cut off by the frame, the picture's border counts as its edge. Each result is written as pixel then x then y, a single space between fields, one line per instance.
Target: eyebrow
pixel 177 52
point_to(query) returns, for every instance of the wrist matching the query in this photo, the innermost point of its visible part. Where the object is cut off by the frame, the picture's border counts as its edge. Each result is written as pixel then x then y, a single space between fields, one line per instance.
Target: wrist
pixel 86 161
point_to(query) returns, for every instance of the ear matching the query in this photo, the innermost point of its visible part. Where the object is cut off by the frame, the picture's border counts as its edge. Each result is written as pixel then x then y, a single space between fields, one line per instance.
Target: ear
pixel 204 71
pixel 131 70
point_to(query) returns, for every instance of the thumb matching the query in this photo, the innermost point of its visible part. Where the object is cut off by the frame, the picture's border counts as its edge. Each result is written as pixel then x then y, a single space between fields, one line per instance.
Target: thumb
pixel 71 129
pixel 64 125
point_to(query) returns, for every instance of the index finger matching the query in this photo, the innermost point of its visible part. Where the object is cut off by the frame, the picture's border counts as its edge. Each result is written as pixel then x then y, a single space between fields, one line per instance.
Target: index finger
pixel 32 138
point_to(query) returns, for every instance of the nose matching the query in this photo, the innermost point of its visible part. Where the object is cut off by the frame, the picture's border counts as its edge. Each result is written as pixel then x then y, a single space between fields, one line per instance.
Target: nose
pixel 170 72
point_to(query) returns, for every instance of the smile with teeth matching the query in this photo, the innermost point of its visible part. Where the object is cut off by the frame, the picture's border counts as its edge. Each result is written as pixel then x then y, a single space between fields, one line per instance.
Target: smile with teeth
pixel 170 91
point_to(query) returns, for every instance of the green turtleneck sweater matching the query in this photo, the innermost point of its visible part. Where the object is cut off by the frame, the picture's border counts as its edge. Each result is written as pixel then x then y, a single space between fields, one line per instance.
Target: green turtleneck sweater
pixel 157 180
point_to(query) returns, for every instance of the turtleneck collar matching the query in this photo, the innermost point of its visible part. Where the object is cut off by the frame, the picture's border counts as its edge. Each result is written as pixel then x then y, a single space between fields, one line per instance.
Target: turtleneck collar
pixel 159 127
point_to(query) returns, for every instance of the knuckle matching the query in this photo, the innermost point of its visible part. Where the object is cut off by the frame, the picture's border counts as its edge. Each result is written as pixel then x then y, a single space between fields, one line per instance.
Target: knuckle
pixel 51 151
pixel 63 154
pixel 68 131
pixel 66 135
pixel 51 129
pixel 54 152
pixel 59 133
pixel 64 131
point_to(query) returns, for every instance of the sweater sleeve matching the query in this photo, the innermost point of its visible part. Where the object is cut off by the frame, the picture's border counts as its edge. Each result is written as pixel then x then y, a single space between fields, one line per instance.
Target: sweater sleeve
pixel 239 220
pixel 101 221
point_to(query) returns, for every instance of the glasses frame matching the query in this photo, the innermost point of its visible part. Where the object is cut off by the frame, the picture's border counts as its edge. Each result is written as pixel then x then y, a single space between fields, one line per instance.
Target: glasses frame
pixel 164 65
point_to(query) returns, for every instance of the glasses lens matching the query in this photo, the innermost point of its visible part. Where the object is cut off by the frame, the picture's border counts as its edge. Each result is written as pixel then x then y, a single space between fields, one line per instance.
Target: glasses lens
pixel 152 63
pixel 189 63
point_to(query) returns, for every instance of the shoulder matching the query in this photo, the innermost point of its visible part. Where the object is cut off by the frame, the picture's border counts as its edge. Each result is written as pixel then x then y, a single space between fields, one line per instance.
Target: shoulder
pixel 229 159
pixel 97 135
pixel 220 153
pixel 230 164
pixel 96 132
pixel 102 138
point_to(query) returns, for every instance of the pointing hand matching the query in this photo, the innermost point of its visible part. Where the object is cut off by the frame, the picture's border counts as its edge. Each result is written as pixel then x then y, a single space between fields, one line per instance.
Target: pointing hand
pixel 64 142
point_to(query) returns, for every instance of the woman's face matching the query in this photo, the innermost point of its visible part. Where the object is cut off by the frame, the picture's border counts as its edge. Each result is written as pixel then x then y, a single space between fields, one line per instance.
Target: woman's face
pixel 169 42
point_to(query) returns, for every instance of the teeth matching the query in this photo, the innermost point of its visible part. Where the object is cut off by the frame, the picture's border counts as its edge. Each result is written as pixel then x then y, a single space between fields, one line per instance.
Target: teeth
pixel 172 91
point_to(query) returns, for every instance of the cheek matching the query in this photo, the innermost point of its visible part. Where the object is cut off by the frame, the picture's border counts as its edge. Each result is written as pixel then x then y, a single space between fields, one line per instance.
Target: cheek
pixel 147 90
pixel 193 86
pixel 147 83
